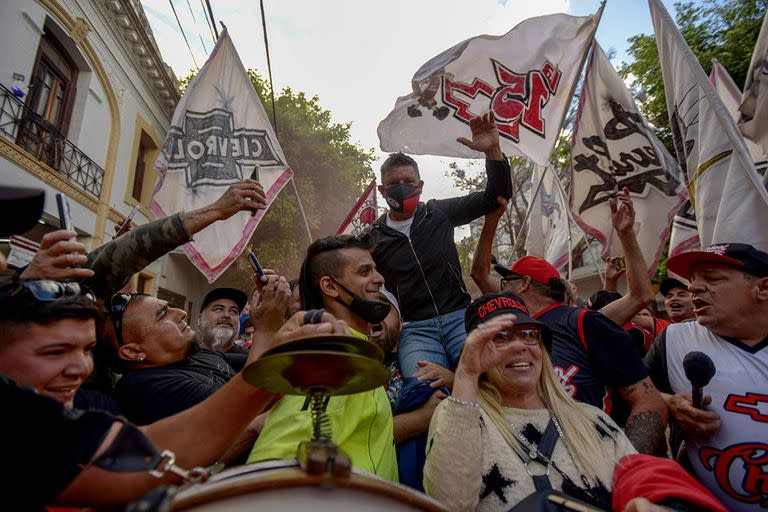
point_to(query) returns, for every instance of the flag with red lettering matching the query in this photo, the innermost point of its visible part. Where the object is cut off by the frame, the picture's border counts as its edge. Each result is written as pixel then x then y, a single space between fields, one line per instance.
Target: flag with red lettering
pixel 362 214
pixel 727 194
pixel 613 148
pixel 525 77
pixel 219 135
pixel 753 121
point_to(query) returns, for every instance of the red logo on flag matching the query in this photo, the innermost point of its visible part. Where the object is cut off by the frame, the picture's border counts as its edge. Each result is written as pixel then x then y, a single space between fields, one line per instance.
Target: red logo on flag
pixel 518 99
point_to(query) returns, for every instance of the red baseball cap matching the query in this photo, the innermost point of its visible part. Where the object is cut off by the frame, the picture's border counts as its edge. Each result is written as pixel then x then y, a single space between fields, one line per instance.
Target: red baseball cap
pixel 538 269
pixel 743 256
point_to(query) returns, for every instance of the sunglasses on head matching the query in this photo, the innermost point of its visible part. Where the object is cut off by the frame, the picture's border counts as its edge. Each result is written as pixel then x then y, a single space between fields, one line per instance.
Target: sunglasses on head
pixel 117 305
pixel 49 291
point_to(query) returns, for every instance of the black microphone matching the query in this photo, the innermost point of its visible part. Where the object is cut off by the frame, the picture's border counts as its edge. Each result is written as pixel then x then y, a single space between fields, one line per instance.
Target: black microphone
pixel 699 369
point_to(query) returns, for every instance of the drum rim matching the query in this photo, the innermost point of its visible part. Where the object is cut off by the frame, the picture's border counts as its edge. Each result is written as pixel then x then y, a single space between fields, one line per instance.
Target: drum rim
pixel 293 477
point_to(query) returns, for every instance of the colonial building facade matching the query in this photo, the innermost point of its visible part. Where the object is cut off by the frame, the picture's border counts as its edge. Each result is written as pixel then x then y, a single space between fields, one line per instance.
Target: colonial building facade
pixel 85 103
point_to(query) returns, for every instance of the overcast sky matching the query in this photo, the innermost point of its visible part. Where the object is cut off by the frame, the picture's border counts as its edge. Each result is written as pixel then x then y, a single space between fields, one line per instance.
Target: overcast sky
pixel 359 56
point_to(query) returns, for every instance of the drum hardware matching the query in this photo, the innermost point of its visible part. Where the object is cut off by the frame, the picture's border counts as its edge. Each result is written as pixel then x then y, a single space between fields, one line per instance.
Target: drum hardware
pixel 320 367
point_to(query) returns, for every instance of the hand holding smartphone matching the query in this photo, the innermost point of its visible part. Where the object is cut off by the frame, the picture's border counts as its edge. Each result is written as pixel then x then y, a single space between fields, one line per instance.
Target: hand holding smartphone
pixel 65 213
pixel 126 225
pixel 255 264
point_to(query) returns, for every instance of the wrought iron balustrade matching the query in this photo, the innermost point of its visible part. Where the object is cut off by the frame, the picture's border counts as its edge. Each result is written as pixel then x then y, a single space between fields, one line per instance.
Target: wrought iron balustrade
pixel 27 129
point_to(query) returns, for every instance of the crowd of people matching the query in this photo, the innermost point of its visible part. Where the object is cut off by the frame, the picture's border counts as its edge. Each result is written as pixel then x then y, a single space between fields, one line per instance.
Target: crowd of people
pixel 492 403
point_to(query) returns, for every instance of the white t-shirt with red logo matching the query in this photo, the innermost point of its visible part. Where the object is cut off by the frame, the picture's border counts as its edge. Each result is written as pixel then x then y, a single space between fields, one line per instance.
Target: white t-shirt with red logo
pixel 732 462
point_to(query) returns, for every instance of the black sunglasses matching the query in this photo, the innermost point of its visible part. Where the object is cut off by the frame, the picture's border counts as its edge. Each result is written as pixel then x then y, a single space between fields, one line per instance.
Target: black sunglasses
pixel 49 291
pixel 117 306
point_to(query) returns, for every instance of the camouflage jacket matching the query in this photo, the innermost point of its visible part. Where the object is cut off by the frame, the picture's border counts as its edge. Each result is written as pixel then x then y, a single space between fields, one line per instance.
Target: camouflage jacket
pixel 115 262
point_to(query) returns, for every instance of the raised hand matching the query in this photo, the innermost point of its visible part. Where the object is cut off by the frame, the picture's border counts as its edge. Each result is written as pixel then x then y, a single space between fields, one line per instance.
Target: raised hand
pixel 612 272
pixel 485 136
pixel 481 352
pixel 496 214
pixel 247 195
pixel 269 302
pixel 622 212
pixel 59 253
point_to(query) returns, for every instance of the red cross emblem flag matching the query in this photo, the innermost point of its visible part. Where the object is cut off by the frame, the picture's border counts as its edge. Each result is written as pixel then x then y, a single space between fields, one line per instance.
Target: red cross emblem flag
pixel 219 134
pixel 362 215
pixel 525 77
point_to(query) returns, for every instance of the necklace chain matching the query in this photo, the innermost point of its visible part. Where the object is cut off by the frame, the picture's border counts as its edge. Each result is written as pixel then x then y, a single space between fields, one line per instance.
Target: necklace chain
pixel 534 454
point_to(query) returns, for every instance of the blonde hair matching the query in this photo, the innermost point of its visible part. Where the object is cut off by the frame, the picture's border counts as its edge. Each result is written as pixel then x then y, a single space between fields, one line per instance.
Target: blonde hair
pixel 576 419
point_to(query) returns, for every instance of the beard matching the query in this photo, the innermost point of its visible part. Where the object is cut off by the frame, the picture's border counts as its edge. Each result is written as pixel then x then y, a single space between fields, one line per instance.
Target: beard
pixel 220 336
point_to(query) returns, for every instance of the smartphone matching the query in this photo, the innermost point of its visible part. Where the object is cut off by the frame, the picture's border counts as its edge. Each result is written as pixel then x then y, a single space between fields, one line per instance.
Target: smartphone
pixel 65 214
pixel 255 264
pixel 620 264
pixel 127 223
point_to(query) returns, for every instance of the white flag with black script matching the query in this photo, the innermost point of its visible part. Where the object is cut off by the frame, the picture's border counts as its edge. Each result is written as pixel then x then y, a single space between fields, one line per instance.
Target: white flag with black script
pixel 613 147
pixel 728 197
pixel 525 77
pixel 219 134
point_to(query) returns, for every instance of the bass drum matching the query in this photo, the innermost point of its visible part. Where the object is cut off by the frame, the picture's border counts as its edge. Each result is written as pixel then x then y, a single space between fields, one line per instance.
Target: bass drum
pixel 282 485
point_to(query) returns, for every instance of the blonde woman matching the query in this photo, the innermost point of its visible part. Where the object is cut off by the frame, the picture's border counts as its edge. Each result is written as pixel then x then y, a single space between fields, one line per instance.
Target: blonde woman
pixel 487 442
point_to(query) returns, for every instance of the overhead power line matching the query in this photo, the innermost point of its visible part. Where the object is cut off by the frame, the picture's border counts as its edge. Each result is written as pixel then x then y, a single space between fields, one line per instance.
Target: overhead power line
pixel 213 19
pixel 208 20
pixel 183 34
pixel 194 19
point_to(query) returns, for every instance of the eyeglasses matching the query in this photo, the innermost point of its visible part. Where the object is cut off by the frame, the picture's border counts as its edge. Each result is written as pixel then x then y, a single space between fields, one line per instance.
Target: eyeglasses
pixel 117 306
pixel 528 335
pixel 509 279
pixel 49 291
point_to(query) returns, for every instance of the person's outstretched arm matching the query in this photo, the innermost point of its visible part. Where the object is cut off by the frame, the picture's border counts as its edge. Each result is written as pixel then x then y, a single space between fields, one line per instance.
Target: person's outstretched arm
pixel 198 436
pixel 481 261
pixel 485 138
pixel 639 293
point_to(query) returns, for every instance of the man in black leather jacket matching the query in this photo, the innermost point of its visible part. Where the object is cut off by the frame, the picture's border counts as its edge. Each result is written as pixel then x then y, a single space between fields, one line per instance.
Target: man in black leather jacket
pixel 416 254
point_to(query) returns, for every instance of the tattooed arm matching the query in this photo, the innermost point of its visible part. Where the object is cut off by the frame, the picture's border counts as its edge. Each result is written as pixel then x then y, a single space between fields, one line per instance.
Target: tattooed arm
pixel 647 418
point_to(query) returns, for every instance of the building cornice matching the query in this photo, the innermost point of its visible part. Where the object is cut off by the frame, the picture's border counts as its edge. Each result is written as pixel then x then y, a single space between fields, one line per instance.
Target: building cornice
pixel 142 49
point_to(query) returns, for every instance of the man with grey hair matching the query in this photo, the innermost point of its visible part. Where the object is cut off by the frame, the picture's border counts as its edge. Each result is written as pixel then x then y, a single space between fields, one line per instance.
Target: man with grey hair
pixel 219 319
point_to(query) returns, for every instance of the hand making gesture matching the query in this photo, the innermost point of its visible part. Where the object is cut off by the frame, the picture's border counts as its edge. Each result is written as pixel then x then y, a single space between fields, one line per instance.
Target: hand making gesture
pixel 485 136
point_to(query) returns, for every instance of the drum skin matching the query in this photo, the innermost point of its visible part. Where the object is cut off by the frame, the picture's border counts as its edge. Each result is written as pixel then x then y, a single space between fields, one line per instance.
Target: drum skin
pixel 282 486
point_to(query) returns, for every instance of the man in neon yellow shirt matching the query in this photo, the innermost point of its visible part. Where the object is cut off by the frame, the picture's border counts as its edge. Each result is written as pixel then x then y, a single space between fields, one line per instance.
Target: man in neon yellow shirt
pixel 339 276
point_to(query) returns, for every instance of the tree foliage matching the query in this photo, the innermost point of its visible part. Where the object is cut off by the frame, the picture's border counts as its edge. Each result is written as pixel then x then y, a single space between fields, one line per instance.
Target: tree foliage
pixel 726 31
pixel 330 172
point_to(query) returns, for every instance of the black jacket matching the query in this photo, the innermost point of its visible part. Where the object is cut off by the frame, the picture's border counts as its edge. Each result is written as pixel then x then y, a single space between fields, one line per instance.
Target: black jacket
pixel 423 271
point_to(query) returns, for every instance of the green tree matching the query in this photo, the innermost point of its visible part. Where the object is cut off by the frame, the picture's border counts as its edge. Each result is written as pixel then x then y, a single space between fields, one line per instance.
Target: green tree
pixel 330 172
pixel 726 31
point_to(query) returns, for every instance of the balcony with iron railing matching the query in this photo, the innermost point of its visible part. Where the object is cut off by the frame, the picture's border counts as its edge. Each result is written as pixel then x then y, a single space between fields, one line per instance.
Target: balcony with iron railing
pixel 41 139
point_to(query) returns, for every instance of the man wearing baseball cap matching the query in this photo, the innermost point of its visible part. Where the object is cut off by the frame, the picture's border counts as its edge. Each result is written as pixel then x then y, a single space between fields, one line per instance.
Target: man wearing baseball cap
pixel 727 438
pixel 677 300
pixel 593 357
pixel 219 319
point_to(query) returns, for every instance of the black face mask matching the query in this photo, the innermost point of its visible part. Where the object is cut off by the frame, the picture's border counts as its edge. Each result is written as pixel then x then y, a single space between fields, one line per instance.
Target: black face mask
pixel 403 197
pixel 372 311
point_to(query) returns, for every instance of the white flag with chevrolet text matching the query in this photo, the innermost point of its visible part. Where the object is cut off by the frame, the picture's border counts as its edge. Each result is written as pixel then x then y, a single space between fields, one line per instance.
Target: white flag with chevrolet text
pixel 548 228
pixel 613 148
pixel 753 122
pixel 524 76
pixel 728 197
pixel 218 136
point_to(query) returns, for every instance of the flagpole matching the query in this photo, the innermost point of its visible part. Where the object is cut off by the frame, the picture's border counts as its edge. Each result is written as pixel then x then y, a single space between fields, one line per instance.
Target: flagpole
pixel 301 208
pixel 527 214
pixel 599 15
